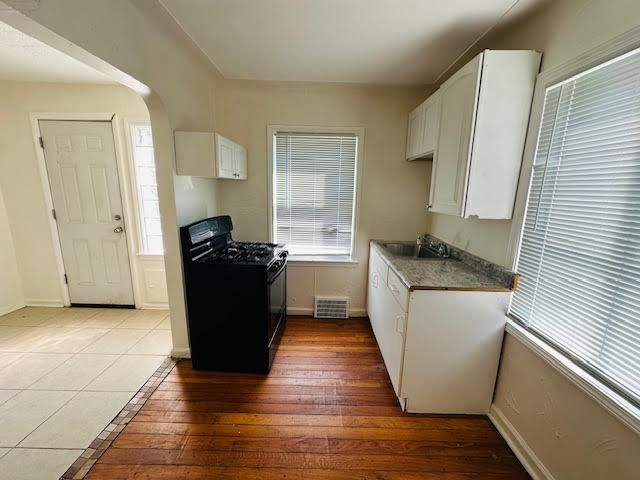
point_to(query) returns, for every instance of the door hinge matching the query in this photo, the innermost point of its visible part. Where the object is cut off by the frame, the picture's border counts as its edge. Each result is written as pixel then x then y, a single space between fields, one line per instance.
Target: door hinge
pixel 66 279
pixel 53 213
pixel 41 143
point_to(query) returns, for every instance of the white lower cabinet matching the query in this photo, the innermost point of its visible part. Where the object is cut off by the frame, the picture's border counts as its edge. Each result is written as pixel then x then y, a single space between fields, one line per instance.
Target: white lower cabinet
pixel 441 348
pixel 387 321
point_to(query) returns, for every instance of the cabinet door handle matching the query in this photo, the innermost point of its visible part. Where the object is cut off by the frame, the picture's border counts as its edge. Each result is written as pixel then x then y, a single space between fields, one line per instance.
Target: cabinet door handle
pixel 374 280
pixel 394 289
pixel 400 324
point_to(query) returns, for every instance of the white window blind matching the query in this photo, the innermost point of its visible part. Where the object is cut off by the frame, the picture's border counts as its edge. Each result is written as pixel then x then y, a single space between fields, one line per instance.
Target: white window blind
pixel 579 257
pixel 147 190
pixel 314 188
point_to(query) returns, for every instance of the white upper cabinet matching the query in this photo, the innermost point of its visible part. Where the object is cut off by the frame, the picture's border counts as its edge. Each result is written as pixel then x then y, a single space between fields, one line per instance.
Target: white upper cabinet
pixel 206 154
pixel 431 124
pixel 240 161
pixel 422 129
pixel 414 132
pixel 457 109
pixel 484 111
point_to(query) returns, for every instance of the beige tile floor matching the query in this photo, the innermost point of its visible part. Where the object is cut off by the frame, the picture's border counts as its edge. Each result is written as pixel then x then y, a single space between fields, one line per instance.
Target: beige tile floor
pixel 64 374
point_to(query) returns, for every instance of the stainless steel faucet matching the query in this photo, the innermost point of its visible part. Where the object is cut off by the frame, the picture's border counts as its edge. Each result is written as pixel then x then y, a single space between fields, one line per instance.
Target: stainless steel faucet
pixel 441 248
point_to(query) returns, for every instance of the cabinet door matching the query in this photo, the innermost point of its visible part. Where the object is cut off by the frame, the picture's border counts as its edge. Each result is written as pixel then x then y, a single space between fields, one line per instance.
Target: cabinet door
pixel 374 301
pixel 414 133
pixel 430 124
pixel 392 335
pixel 240 161
pixel 458 100
pixel 225 157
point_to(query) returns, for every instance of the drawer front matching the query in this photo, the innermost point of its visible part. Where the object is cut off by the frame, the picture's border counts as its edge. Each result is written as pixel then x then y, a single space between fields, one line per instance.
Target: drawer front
pixel 377 263
pixel 398 290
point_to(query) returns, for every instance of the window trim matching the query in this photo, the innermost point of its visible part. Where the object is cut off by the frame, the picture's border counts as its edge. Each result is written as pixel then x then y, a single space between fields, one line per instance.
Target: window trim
pixel 614 403
pixel 359 133
pixel 129 124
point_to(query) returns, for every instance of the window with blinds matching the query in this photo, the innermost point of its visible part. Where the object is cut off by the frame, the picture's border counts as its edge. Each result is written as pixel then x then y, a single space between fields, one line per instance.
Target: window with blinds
pixel 314 191
pixel 579 257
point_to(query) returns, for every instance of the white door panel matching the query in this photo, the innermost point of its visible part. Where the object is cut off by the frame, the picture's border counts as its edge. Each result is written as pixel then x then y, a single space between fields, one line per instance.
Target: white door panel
pixel 83 175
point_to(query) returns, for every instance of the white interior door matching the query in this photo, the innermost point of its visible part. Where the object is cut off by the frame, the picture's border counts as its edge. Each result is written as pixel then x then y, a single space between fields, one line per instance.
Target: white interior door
pixel 83 176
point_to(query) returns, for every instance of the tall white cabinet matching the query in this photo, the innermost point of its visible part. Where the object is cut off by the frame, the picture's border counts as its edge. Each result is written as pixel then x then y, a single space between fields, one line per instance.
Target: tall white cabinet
pixel 208 154
pixel 482 114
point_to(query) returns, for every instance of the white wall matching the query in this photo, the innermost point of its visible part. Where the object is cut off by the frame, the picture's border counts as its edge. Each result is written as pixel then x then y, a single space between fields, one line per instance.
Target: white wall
pixel 393 192
pixel 11 296
pixel 139 44
pixel 21 183
pixel 572 435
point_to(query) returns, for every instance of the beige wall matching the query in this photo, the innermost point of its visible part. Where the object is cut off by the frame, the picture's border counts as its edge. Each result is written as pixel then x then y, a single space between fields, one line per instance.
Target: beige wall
pixel 11 296
pixel 20 178
pixel 393 192
pixel 571 434
pixel 139 44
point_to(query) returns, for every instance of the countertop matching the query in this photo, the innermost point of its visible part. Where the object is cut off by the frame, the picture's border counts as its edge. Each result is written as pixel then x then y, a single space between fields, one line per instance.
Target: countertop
pixel 462 271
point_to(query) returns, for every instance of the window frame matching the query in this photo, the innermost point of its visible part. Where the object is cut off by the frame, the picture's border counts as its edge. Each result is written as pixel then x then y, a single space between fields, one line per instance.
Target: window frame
pixel 359 133
pixel 608 398
pixel 130 124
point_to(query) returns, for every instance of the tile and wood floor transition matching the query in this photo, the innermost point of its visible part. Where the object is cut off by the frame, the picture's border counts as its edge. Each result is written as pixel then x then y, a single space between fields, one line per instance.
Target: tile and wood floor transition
pixel 326 411
pixel 65 373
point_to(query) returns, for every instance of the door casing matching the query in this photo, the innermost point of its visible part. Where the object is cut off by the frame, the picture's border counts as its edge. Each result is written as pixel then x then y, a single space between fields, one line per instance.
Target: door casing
pixel 125 193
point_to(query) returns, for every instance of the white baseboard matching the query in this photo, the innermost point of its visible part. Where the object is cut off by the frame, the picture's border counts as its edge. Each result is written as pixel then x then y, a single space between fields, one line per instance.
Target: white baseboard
pixel 43 302
pixel 353 312
pixel 299 311
pixel 10 308
pixel 520 447
pixel 181 353
pixel 154 306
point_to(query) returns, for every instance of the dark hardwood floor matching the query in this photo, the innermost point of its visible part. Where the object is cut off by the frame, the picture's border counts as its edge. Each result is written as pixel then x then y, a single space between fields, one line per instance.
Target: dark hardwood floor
pixel 326 411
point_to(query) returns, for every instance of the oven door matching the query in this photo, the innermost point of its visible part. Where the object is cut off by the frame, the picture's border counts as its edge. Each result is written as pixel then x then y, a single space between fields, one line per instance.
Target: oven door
pixel 277 299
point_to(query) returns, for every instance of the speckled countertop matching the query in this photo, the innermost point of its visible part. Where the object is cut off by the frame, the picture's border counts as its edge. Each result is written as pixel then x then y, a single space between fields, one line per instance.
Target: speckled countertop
pixel 462 271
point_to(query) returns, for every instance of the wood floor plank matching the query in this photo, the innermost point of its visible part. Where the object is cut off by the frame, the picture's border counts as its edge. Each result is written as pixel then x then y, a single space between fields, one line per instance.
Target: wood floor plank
pixel 177 472
pixel 253 407
pixel 252 380
pixel 420 434
pixel 327 410
pixel 310 444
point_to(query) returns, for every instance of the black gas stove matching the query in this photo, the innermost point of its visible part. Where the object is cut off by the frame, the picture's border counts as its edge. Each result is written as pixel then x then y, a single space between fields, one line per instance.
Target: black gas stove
pixel 236 297
pixel 246 253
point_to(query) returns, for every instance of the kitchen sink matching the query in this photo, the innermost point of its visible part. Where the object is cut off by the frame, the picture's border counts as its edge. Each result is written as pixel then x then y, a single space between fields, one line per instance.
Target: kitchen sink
pixel 411 250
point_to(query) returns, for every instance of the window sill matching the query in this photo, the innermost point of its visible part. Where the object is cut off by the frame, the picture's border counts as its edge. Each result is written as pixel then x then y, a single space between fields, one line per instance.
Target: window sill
pixel 150 256
pixel 322 260
pixel 610 400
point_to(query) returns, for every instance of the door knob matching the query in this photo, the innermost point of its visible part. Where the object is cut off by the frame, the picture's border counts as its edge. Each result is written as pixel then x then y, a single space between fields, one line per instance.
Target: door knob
pixel 118 230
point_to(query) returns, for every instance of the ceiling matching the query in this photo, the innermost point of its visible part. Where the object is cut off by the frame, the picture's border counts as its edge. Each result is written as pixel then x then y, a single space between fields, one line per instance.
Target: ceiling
pixel 405 42
pixel 25 59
